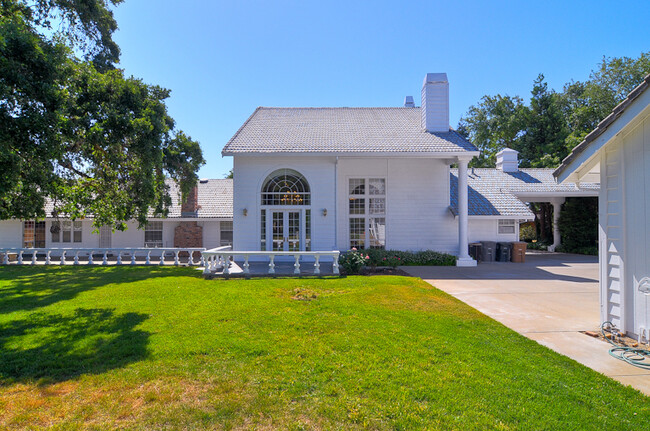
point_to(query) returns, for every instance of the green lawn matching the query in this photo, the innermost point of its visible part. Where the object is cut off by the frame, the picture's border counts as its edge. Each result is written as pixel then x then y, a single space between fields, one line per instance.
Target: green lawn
pixel 153 348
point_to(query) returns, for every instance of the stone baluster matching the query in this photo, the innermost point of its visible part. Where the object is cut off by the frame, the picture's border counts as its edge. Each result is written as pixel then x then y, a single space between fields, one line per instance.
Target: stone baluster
pixel 226 265
pixel 162 258
pixel 190 259
pixel 132 256
pixel 335 265
pixel 20 257
pixel 90 257
pixel 5 259
pixel 317 265
pixel 148 261
pixel 76 257
pixel 47 257
pixel 119 257
pixel 296 266
pixel 176 258
pixel 62 262
pixel 33 257
pixel 271 264
pixel 105 258
pixel 246 265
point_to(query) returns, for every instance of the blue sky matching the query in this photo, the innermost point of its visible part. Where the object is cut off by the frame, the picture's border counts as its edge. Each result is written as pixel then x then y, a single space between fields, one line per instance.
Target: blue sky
pixel 223 59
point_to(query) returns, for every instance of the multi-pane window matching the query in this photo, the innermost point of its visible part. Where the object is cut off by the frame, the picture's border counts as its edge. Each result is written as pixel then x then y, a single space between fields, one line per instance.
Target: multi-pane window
pixel 33 234
pixel 153 234
pixel 66 231
pixel 367 212
pixel 225 228
pixel 507 226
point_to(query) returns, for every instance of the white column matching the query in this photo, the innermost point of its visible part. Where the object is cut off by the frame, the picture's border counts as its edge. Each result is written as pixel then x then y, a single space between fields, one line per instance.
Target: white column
pixel 557 204
pixel 463 254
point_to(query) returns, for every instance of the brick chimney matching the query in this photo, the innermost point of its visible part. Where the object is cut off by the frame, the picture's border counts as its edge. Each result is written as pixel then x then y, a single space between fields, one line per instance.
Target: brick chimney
pixel 435 103
pixel 189 233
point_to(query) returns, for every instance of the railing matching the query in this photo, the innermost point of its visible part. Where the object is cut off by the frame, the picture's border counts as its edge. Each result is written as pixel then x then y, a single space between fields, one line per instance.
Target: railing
pixel 217 258
pixel 54 256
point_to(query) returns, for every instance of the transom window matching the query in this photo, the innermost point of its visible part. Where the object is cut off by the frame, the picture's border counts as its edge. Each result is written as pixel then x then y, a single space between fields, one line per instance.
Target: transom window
pixel 367 212
pixel 286 187
pixel 507 226
pixel 153 234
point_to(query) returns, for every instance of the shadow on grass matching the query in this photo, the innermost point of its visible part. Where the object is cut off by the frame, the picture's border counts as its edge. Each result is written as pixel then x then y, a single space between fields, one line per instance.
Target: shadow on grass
pixel 30 287
pixel 58 347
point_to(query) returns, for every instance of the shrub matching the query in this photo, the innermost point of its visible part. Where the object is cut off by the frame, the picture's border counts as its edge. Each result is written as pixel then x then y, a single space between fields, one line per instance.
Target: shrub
pixel 579 225
pixel 423 258
pixel 392 261
pixel 527 232
pixel 353 260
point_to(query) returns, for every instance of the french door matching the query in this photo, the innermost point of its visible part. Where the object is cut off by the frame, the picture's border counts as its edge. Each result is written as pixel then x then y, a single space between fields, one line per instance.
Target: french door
pixel 285 230
pixel 105 234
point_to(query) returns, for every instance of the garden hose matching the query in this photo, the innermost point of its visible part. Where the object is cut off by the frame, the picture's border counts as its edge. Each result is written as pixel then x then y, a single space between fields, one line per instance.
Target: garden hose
pixel 632 355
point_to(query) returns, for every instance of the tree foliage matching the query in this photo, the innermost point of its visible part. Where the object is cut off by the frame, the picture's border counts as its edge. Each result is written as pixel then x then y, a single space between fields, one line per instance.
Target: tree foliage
pixel 546 129
pixel 77 131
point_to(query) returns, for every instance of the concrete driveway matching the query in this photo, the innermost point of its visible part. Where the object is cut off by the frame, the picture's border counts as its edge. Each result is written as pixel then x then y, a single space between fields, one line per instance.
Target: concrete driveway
pixel 549 298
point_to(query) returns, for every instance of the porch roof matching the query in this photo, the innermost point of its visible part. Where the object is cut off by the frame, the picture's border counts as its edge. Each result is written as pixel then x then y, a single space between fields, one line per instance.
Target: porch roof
pixel 493 192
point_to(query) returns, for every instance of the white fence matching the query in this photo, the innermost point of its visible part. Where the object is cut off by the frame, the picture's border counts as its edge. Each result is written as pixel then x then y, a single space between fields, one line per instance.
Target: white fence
pixel 219 258
pixel 101 256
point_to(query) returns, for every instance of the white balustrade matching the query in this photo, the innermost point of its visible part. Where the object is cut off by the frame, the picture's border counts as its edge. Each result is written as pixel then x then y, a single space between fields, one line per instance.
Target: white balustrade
pixel 9 256
pixel 224 254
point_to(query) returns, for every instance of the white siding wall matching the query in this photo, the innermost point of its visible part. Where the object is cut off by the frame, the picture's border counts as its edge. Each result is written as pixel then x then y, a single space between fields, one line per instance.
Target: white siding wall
pixel 634 150
pixel 11 233
pixel 487 230
pixel 417 202
pixel 624 208
pixel 211 234
pixel 249 175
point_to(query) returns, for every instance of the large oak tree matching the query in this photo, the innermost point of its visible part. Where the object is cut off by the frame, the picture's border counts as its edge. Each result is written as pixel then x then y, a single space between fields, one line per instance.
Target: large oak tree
pixel 73 128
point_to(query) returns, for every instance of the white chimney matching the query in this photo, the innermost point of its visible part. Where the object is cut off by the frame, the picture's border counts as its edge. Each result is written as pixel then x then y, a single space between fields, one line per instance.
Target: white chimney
pixel 435 103
pixel 408 102
pixel 508 160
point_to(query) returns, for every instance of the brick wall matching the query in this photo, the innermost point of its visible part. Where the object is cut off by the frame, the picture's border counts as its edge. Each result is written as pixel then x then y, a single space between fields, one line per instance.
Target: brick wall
pixel 189 233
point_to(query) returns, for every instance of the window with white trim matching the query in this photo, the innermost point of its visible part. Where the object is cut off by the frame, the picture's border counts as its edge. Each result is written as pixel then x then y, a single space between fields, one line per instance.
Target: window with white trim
pixel 225 229
pixel 367 212
pixel 153 234
pixel 66 231
pixel 507 226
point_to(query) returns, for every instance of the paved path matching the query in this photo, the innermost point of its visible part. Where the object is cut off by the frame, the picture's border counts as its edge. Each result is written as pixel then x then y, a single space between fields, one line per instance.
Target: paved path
pixel 548 299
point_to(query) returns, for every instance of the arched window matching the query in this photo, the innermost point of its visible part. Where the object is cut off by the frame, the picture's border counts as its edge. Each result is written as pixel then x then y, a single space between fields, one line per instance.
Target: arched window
pixel 286 187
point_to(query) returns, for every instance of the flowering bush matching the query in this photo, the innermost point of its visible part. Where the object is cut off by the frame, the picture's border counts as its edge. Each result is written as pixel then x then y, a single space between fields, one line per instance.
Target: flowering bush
pixel 353 261
pixel 392 261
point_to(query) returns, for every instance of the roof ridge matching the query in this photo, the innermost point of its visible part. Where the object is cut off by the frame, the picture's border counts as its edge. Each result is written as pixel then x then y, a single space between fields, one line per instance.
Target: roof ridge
pixel 338 107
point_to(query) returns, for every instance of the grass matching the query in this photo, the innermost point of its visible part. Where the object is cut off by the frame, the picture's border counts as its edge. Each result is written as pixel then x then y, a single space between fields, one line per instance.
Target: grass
pixel 161 348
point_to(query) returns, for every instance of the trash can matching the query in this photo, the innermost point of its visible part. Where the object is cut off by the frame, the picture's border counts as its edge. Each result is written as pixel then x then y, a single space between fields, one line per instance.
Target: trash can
pixel 503 251
pixel 519 252
pixel 475 251
pixel 488 251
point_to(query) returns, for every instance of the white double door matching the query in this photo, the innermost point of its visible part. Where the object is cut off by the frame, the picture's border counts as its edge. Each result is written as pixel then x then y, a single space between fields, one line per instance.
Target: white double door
pixel 286 229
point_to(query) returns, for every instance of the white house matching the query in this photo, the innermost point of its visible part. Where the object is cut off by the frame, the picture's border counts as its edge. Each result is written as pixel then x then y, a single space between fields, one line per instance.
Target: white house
pixel 205 220
pixel 337 178
pixel 324 179
pixel 617 153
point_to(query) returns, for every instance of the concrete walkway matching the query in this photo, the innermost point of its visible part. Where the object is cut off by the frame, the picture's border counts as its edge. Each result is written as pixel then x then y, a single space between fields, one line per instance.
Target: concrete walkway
pixel 549 299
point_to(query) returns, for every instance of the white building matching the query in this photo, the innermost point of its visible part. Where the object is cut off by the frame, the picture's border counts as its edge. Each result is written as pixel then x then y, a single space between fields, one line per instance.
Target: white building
pixel 324 179
pixel 617 153
pixel 337 178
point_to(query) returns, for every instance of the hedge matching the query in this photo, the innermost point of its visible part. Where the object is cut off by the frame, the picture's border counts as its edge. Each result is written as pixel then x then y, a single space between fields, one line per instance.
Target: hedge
pixel 408 258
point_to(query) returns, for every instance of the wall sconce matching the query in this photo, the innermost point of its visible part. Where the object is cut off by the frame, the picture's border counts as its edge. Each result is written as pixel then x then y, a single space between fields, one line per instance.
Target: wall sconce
pixel 324 212
pixel 245 212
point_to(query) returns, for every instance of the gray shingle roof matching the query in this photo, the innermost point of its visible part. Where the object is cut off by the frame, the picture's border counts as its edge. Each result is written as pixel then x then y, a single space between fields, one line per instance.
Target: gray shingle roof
pixel 493 192
pixel 214 196
pixel 341 130
pixel 214 199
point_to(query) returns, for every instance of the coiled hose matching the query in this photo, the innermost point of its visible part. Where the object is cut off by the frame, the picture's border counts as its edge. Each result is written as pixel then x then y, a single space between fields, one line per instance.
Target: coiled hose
pixel 632 355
